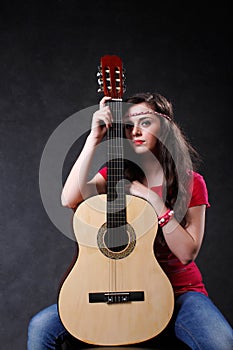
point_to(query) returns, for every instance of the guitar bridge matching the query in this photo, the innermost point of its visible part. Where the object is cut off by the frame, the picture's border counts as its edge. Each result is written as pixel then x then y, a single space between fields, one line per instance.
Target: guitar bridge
pixel 116 297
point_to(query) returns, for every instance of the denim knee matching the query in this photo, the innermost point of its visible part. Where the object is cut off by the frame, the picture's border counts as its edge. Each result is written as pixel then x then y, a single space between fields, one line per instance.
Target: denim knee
pixel 201 325
pixel 45 330
pixel 43 320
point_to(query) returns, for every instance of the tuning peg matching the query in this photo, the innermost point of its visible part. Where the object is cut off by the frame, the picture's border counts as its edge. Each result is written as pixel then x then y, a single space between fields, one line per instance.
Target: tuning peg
pixel 100 82
pixel 99 74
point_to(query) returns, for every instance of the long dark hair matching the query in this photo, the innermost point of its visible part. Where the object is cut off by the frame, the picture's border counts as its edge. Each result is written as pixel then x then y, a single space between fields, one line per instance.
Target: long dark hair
pixel 174 152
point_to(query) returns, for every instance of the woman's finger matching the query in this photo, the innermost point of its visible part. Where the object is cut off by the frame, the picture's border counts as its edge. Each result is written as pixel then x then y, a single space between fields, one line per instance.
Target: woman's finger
pixel 102 116
pixel 103 101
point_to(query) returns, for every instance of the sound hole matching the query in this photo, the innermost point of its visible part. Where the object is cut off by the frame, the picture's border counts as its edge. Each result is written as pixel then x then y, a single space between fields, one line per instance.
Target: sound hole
pixel 117 242
pixel 116 239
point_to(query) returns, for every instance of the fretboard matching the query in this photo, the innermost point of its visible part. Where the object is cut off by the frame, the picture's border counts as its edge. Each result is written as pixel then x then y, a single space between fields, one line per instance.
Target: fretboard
pixel 116 214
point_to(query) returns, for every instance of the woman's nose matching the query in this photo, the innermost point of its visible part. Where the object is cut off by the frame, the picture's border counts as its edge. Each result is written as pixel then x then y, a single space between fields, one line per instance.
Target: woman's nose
pixel 136 130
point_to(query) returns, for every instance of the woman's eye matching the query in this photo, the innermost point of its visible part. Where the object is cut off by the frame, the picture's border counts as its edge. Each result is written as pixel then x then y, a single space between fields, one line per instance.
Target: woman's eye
pixel 146 123
pixel 129 126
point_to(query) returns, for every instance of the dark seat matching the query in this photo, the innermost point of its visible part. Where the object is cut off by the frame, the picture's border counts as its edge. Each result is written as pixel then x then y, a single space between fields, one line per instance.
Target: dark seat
pixel 158 343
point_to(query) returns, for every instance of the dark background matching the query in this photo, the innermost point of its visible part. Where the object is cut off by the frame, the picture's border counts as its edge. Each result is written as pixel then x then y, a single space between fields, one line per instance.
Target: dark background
pixel 49 55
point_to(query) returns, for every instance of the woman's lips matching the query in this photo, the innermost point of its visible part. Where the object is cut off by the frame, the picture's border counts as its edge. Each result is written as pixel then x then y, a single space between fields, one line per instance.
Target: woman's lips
pixel 138 142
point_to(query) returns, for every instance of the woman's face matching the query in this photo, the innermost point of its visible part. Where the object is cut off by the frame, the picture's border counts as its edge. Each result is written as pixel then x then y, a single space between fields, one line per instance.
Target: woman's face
pixel 141 129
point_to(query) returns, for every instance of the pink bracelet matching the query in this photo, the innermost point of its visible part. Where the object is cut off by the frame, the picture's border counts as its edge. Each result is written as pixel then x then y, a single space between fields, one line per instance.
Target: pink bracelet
pixel 163 220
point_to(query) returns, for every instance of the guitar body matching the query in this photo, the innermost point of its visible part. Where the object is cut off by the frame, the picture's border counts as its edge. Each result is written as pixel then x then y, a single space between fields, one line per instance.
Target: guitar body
pixel 115 297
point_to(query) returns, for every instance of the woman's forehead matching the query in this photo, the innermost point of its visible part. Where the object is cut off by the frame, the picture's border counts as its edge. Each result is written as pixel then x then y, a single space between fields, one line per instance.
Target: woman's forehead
pixel 138 108
pixel 143 109
pixel 138 111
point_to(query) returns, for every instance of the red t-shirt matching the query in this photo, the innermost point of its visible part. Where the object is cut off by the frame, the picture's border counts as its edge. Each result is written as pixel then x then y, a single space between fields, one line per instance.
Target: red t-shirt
pixel 182 277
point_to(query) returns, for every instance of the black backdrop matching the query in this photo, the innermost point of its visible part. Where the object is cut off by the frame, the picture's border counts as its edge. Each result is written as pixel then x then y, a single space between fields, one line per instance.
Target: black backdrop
pixel 49 54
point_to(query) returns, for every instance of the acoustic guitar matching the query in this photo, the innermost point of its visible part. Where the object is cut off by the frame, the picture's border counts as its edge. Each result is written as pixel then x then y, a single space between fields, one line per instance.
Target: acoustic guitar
pixel 116 292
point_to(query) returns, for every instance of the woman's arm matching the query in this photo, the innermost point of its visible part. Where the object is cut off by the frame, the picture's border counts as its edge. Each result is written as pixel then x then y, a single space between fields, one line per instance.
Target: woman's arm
pixel 183 242
pixel 77 188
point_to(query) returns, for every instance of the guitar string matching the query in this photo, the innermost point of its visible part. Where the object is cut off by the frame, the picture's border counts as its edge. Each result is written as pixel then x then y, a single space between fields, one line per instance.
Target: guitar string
pixel 116 148
pixel 118 178
pixel 110 224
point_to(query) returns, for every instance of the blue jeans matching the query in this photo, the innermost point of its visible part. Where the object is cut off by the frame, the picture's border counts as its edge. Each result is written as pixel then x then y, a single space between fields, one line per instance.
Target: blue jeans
pixel 196 322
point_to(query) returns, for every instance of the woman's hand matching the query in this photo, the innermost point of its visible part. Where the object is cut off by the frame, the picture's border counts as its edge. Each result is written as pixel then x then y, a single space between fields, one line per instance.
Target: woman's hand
pixel 136 188
pixel 101 121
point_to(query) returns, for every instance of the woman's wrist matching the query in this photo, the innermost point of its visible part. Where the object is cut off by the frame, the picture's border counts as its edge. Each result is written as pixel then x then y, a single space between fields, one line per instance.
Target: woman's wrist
pixel 170 226
pixel 165 218
pixel 92 140
pixel 162 210
pixel 157 203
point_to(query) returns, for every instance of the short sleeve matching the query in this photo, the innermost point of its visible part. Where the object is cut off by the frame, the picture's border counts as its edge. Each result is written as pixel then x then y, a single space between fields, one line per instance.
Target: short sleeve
pixel 199 192
pixel 103 172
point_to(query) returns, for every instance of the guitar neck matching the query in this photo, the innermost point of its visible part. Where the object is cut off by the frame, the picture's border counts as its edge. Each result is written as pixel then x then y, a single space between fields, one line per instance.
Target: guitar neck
pixel 115 186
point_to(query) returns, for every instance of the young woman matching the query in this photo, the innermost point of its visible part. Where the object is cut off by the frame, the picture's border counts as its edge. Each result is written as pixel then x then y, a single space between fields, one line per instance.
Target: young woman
pixel 163 173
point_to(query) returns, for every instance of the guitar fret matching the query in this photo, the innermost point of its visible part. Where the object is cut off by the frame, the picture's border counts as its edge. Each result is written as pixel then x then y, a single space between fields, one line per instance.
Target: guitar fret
pixel 116 199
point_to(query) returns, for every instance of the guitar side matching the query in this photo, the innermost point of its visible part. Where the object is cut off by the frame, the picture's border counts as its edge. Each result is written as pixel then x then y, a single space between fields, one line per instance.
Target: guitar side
pixel 120 323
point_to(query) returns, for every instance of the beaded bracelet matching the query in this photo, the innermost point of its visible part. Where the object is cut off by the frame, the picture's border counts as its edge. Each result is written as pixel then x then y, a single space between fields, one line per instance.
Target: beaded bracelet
pixel 163 220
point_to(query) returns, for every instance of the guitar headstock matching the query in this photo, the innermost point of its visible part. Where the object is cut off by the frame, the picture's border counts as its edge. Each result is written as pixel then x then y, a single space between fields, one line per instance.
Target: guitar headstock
pixel 111 77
